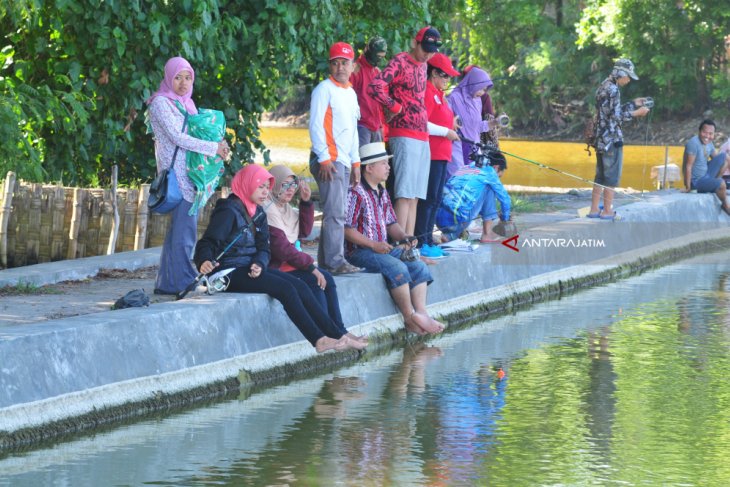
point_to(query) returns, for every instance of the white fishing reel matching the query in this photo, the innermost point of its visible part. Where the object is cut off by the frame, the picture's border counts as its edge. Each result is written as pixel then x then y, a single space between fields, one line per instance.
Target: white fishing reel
pixel 503 120
pixel 217 282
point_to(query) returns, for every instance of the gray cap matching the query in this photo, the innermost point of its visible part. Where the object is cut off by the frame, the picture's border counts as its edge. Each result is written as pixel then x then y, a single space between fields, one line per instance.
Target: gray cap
pixel 626 66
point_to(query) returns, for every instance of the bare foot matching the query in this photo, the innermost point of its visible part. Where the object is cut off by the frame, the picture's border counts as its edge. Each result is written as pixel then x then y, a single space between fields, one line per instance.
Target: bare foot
pixel 438 325
pixel 415 322
pixel 361 338
pixel 490 237
pixel 353 343
pixel 726 209
pixel 326 343
pixel 427 260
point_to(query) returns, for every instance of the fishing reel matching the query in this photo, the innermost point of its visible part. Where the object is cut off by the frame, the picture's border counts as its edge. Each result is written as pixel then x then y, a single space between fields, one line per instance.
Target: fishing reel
pixel 217 282
pixel 409 254
pixel 648 102
pixel 503 121
pixel 481 152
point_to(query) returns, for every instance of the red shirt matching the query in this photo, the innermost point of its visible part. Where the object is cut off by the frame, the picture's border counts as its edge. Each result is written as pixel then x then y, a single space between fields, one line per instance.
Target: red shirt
pixel 284 255
pixel 371 112
pixel 400 87
pixel 440 114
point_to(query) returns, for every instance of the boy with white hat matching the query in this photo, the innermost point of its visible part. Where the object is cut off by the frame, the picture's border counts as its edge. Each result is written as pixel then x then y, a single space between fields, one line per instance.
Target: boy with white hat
pixel 369 223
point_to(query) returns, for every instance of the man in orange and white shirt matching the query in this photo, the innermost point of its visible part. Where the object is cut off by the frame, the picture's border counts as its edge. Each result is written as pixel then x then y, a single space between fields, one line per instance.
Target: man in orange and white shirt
pixel 335 158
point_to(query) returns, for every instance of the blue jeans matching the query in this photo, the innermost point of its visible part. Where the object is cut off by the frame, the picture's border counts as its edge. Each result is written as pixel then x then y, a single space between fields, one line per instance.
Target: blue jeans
pixel 326 298
pixel 712 179
pixel 487 204
pixel 395 271
pixel 426 211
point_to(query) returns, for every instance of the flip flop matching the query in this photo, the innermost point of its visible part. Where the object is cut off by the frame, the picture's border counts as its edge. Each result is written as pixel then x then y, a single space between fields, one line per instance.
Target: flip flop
pixel 614 218
pixel 594 215
pixel 489 240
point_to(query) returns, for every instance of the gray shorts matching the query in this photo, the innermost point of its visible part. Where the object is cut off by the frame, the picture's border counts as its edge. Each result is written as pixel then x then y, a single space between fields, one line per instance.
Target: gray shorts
pixel 608 166
pixel 411 165
pixel 366 136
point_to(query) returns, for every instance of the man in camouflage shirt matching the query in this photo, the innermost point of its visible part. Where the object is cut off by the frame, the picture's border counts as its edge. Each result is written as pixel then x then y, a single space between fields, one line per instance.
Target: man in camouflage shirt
pixel 609 137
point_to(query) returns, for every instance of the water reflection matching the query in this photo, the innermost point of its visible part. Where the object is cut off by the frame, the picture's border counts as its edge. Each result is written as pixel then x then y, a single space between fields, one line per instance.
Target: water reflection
pixel 621 385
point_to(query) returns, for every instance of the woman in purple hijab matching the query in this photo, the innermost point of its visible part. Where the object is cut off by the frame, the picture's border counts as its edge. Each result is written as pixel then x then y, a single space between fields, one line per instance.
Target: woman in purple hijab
pixel 169 107
pixel 466 103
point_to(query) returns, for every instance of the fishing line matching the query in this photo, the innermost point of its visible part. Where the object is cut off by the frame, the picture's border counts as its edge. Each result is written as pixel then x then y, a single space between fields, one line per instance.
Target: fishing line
pixel 545 166
pixel 593 183
pixel 646 150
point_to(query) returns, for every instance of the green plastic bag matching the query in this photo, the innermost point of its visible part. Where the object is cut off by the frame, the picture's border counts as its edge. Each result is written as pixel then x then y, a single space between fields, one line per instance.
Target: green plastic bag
pixel 204 171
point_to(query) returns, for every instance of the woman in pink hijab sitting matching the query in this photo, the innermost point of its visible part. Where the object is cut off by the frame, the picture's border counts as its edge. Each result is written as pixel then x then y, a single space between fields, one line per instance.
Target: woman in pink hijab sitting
pixel 169 107
pixel 240 221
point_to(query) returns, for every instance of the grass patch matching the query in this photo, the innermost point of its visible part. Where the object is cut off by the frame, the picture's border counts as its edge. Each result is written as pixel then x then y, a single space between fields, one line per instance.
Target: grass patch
pixel 533 203
pixel 27 288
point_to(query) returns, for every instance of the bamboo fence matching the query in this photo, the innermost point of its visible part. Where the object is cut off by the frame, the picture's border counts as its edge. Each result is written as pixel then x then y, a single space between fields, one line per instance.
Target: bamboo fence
pixel 45 223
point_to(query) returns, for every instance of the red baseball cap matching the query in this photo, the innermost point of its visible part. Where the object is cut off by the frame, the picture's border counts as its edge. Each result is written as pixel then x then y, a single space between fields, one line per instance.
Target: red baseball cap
pixel 442 62
pixel 341 49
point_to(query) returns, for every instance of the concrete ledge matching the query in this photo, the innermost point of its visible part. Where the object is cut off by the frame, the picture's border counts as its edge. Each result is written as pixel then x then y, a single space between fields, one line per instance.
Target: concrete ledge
pixel 64 375
pixel 78 269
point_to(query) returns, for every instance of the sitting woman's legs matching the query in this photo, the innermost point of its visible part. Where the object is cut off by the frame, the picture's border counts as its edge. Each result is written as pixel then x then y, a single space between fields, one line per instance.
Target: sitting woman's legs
pixel 326 298
pixel 299 303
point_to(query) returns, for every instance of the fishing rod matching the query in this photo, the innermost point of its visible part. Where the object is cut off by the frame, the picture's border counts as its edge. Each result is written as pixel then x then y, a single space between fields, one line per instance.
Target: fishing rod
pixel 488 149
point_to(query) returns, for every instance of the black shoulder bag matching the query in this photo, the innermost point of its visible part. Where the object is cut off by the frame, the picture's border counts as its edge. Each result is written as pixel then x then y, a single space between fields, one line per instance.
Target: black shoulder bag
pixel 165 193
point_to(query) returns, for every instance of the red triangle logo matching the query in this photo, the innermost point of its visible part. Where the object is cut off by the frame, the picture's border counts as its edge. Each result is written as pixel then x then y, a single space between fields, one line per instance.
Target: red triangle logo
pixel 513 245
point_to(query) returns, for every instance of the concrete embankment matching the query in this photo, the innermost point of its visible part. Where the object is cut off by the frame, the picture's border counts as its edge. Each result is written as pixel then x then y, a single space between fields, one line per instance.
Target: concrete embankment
pixel 65 375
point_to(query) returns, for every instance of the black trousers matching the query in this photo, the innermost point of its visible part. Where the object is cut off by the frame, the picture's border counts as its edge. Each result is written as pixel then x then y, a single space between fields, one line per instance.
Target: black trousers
pixel 299 303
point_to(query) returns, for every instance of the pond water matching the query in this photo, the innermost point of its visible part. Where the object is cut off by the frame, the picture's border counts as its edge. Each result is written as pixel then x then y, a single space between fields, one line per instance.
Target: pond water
pixel 291 146
pixel 626 384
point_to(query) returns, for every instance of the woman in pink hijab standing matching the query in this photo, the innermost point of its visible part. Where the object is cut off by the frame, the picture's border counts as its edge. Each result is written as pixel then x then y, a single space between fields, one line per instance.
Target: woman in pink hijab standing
pixel 176 270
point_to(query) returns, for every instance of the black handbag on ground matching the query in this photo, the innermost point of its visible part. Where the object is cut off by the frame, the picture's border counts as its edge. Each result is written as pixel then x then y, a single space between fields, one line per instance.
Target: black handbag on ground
pixel 165 192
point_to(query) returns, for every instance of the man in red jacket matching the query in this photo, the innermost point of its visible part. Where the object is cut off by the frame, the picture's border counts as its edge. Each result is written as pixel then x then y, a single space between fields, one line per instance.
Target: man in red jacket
pixel 400 87
pixel 367 66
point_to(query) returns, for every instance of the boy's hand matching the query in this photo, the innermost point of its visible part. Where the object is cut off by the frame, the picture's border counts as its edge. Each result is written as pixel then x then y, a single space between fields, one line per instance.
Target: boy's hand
pixel 381 247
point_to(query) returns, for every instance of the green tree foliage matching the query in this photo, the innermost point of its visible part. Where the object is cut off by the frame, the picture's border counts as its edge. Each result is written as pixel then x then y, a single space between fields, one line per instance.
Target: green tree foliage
pixel 548 57
pixel 677 45
pixel 530 50
pixel 74 74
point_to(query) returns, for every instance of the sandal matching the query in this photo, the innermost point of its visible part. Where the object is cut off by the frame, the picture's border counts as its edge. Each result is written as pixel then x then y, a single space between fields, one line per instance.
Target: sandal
pixel 614 217
pixel 346 268
pixel 594 215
